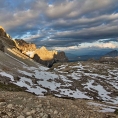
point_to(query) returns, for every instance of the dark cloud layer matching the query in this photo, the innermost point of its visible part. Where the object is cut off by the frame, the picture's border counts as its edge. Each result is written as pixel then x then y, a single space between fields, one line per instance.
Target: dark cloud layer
pixel 61 23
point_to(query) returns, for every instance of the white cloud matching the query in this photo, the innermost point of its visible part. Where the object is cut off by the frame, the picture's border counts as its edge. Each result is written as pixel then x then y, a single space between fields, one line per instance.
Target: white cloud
pixel 66 48
pixel 106 45
pixel 72 22
pixel 32 37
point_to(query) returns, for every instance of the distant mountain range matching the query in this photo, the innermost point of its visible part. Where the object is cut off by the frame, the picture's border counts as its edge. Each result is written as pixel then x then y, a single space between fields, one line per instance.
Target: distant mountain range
pixel 72 57
pixel 113 53
pixel 97 56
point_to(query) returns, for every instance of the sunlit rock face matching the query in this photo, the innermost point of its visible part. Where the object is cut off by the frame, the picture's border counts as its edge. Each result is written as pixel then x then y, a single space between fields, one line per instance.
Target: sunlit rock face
pixel 41 55
pixel 24 47
pixel 45 54
pixel 48 58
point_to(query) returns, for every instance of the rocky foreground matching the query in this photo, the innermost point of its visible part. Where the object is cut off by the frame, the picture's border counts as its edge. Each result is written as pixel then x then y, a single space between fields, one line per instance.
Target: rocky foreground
pixel 26 105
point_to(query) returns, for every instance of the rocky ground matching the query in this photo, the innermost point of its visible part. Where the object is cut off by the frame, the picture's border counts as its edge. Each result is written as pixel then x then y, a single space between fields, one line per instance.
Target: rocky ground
pixel 27 105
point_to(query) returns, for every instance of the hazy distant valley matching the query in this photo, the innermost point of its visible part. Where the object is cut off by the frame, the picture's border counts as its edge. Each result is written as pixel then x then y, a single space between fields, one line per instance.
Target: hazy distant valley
pixel 96 55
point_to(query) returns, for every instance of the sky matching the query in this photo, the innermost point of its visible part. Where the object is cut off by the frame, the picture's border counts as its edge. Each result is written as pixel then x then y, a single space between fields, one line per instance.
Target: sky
pixel 68 25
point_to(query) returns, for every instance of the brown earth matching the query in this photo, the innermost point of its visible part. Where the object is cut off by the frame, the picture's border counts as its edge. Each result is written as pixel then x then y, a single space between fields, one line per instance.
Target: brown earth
pixel 26 105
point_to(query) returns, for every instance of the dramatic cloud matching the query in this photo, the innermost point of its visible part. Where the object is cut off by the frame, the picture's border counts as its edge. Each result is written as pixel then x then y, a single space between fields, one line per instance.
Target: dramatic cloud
pixel 64 24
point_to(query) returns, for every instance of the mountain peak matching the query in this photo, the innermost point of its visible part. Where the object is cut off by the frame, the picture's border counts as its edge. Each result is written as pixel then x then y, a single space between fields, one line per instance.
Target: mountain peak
pixel 2 28
pixel 43 48
pixel 113 53
pixel 3 33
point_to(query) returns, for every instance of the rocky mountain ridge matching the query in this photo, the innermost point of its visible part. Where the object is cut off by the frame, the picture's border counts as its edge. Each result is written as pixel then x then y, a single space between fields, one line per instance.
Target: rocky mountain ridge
pixel 110 57
pixel 41 55
pixel 23 46
pixel 113 53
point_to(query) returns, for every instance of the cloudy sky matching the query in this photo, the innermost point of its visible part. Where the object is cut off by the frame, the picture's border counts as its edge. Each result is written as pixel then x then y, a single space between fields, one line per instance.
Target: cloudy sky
pixel 62 24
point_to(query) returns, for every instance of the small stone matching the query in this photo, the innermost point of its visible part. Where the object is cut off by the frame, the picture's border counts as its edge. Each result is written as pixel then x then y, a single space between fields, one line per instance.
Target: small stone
pixel 24 99
pixel 2 100
pixel 28 113
pixel 26 110
pixel 117 116
pixel 51 110
pixel 48 103
pixel 9 113
pixel 21 106
pixel 20 116
pixel 45 116
pixel 49 116
pixel 2 103
pixel 40 105
pixel 48 107
pixel 9 106
pixel 42 109
pixel 29 117
pixel 41 114
pixel 55 112
pixel 37 109
pixel 33 112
